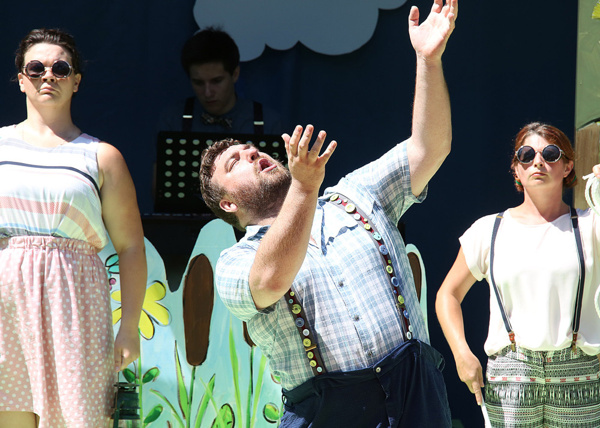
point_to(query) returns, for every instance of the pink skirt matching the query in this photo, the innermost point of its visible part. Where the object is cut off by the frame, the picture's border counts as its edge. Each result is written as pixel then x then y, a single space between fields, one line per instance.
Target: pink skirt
pixel 56 335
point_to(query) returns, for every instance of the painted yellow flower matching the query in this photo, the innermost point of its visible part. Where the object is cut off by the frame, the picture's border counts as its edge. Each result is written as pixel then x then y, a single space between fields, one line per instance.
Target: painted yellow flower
pixel 151 309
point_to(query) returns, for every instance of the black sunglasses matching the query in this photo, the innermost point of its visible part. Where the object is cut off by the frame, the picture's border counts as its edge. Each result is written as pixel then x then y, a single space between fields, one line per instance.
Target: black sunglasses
pixel 551 153
pixel 60 69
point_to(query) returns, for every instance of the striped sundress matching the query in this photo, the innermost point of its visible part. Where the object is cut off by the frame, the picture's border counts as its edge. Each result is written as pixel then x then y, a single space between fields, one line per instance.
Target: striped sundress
pixel 56 337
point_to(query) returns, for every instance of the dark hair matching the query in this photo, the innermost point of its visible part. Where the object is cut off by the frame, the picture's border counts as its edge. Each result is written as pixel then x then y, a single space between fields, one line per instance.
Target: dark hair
pixel 554 136
pixel 210 45
pixel 212 193
pixel 53 36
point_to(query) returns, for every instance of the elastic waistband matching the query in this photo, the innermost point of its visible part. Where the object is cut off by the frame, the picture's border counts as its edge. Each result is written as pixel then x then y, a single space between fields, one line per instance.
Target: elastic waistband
pixel 47 242
pixel 316 385
pixel 524 354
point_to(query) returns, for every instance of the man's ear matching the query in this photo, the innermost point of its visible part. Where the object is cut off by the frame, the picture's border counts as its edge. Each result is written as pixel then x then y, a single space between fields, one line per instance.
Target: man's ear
pixel 228 206
pixel 236 74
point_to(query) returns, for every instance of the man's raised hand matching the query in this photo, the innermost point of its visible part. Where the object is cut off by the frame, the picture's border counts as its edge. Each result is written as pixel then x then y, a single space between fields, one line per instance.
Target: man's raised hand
pixel 307 164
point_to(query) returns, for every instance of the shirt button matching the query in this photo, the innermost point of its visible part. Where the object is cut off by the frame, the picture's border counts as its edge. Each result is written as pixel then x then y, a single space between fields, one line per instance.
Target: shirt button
pixel 370 353
pixel 341 284
pixel 356 317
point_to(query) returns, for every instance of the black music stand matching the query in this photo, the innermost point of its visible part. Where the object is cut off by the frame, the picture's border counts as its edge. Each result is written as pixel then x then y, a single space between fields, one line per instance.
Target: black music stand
pixel 177 188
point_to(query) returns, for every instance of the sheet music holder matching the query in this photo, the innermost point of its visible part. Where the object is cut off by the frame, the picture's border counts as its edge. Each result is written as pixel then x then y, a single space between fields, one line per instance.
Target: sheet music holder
pixel 178 157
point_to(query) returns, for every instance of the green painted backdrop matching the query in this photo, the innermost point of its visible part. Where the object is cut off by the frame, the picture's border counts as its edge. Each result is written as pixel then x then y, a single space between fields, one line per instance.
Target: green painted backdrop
pixel 587 100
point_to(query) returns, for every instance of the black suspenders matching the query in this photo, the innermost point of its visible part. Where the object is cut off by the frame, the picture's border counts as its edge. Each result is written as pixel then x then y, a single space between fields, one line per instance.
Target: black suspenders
pixel 259 123
pixel 579 297
pixel 188 116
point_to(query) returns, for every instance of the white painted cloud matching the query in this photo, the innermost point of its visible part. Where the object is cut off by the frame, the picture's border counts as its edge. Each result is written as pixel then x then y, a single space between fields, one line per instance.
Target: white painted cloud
pixel 331 27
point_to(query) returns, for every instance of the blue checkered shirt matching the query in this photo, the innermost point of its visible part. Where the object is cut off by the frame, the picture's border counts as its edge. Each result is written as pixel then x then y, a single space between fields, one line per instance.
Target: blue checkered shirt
pixel 342 284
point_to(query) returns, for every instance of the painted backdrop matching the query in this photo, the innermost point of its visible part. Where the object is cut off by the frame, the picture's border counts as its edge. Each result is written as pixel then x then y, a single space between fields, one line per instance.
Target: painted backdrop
pixel 505 66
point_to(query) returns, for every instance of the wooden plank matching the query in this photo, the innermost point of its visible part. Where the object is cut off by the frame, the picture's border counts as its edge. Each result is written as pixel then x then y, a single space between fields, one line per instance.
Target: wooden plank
pixel 587 154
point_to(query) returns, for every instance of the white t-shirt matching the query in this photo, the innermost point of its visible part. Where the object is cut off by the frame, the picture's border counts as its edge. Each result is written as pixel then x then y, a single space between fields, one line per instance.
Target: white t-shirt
pixel 536 269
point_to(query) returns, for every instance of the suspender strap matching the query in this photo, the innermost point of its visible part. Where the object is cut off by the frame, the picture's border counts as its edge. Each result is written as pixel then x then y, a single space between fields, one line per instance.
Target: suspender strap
pixel 511 333
pixel 188 115
pixel 579 296
pixel 310 345
pixel 345 204
pixel 259 124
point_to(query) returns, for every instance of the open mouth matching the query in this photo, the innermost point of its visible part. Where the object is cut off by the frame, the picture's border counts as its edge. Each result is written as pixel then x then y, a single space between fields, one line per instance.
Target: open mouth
pixel 265 165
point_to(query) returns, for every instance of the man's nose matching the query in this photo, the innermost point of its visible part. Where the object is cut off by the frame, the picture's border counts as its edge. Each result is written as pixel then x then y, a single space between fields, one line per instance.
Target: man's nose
pixel 251 153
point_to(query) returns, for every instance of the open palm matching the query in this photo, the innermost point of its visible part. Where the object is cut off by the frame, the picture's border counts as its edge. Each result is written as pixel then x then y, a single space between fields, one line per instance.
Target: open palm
pixel 430 37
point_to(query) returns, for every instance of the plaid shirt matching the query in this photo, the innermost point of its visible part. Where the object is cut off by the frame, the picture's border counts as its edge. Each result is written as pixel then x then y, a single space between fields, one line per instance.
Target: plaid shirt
pixel 342 284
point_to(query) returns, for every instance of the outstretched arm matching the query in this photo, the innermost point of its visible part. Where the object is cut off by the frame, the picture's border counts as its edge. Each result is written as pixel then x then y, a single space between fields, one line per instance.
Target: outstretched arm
pixel 431 136
pixel 283 248
pixel 447 307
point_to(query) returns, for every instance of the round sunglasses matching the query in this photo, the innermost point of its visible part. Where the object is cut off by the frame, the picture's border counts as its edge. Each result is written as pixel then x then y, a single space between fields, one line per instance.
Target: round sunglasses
pixel 551 154
pixel 35 69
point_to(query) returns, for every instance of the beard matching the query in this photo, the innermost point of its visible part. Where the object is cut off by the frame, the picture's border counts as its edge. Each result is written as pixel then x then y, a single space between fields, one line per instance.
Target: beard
pixel 265 199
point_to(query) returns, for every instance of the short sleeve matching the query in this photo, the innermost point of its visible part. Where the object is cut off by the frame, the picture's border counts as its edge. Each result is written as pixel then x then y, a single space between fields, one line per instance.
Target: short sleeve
pixel 475 243
pixel 232 281
pixel 386 181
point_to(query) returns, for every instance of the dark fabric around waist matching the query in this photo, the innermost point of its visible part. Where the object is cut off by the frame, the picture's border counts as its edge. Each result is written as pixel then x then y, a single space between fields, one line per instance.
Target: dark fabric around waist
pixel 316 385
pixel 405 389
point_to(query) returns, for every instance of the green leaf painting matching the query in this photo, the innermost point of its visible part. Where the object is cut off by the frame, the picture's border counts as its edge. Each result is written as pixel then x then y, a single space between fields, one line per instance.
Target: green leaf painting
pixel 224 382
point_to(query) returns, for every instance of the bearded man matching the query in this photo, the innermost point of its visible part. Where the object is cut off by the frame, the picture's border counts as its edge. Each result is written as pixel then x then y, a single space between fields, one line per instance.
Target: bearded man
pixel 324 284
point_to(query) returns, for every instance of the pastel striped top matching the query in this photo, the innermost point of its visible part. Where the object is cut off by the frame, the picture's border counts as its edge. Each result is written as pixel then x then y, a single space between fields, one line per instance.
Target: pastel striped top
pixel 50 190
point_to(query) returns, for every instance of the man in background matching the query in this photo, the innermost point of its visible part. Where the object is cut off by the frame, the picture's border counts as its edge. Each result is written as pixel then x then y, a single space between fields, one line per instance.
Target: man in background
pixel 211 60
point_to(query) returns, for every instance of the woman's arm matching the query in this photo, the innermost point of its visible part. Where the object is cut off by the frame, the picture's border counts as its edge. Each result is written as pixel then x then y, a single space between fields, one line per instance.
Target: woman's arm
pixel 122 219
pixel 447 306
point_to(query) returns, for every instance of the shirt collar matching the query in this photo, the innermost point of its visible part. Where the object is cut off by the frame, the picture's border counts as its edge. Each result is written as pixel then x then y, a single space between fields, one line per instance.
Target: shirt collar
pixel 255 232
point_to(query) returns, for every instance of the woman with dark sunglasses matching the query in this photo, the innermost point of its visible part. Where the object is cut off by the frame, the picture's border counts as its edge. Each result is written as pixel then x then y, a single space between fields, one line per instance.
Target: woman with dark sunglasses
pixel 61 191
pixel 539 259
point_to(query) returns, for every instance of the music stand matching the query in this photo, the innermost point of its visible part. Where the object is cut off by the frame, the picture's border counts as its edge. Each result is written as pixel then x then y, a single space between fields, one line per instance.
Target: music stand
pixel 178 156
